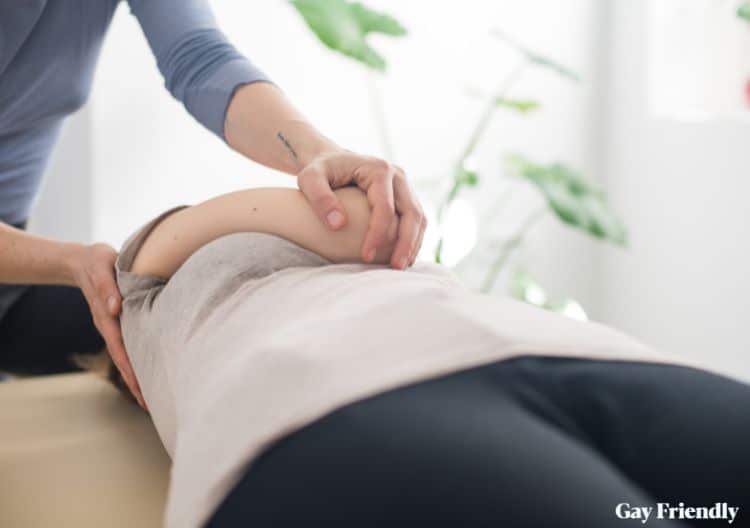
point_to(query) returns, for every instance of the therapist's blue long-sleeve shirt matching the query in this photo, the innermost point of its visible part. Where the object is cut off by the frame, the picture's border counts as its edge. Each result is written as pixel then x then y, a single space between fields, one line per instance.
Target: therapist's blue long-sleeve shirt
pixel 48 51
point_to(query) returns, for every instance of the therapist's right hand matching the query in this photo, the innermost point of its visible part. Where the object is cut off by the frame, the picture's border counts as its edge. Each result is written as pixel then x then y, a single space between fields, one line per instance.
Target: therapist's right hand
pixel 93 269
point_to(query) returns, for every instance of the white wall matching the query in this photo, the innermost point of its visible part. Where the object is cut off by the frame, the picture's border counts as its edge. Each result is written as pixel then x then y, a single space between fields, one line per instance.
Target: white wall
pixel 63 208
pixel 682 187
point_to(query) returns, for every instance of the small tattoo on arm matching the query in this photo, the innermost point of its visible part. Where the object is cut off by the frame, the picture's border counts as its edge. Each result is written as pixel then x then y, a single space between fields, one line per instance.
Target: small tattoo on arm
pixel 288 145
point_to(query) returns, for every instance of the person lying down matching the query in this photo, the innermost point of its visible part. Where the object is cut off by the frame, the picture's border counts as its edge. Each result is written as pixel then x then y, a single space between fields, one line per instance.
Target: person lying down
pixel 292 385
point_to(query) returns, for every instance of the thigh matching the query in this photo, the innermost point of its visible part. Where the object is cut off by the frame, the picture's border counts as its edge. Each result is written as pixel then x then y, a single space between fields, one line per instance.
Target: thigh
pixel 44 328
pixel 454 451
pixel 682 433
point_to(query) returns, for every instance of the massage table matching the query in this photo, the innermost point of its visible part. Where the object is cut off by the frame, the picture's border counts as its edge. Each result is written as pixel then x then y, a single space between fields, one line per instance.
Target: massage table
pixel 74 452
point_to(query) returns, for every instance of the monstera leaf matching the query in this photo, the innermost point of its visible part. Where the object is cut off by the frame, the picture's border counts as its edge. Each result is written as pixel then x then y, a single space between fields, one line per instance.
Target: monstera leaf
pixel 574 200
pixel 523 106
pixel 744 11
pixel 536 58
pixel 344 26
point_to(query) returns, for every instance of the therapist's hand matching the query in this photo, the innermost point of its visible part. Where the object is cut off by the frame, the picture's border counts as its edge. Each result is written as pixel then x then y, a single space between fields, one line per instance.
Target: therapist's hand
pixel 388 192
pixel 264 126
pixel 93 269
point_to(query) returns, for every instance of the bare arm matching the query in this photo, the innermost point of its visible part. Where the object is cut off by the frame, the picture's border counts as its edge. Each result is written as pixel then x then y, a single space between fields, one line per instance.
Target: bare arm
pixel 204 71
pixel 264 126
pixel 276 211
pixel 30 259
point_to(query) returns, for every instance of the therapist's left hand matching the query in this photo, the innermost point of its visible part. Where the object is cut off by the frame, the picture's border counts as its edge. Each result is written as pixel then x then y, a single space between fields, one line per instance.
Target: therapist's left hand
pixel 388 192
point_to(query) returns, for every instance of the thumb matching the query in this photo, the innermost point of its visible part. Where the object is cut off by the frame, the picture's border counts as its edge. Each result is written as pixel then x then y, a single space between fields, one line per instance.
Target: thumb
pixel 313 183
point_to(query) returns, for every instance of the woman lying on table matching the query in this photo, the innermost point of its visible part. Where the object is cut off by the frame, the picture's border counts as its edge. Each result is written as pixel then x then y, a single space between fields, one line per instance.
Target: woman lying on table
pixel 292 385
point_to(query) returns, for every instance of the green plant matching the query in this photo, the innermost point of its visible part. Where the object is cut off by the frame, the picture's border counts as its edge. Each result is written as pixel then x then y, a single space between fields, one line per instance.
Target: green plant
pixel 743 11
pixel 574 201
pixel 344 27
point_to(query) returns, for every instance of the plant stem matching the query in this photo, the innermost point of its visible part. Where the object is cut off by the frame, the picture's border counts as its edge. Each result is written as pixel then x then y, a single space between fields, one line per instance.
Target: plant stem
pixel 439 251
pixel 441 209
pixel 489 112
pixel 481 127
pixel 489 217
pixel 508 248
pixel 452 193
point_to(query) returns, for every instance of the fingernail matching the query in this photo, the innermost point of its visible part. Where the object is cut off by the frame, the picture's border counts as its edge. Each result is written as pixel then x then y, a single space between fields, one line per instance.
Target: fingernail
pixel 370 255
pixel 402 263
pixel 111 303
pixel 335 219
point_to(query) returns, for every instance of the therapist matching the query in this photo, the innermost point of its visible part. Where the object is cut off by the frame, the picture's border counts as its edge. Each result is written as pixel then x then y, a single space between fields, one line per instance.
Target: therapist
pixel 48 51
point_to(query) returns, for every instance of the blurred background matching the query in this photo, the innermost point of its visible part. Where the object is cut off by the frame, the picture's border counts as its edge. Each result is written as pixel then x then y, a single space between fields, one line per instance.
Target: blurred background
pixel 607 176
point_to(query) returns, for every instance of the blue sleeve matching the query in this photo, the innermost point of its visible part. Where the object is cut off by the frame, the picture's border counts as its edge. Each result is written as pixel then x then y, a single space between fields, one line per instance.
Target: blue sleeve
pixel 199 65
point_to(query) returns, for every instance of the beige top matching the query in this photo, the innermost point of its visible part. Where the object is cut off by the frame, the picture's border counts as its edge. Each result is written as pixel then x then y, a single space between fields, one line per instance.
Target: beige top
pixel 254 337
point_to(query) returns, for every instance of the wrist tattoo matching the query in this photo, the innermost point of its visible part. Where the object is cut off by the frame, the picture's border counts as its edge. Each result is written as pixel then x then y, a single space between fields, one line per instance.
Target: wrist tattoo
pixel 288 145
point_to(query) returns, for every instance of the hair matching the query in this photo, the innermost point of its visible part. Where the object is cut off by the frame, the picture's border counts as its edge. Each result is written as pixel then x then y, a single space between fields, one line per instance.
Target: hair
pixel 102 365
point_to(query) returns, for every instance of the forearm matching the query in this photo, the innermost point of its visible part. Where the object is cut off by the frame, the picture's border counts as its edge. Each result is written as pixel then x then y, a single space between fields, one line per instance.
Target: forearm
pixel 276 211
pixel 29 259
pixel 263 125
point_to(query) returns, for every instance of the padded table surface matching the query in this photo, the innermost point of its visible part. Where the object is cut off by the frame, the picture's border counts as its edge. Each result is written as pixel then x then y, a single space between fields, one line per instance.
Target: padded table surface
pixel 75 453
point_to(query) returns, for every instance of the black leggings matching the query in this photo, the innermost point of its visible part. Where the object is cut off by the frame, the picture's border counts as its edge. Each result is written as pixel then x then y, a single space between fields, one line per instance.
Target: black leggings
pixel 44 328
pixel 526 442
